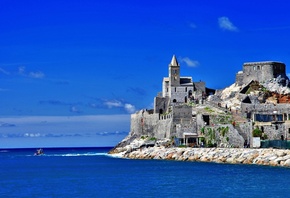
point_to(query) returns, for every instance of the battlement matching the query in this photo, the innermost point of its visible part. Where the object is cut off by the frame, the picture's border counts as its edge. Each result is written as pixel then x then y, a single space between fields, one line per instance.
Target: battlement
pixel 262 63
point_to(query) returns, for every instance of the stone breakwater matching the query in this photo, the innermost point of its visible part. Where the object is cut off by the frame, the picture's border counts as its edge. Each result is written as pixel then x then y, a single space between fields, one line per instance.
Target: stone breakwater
pixel 270 157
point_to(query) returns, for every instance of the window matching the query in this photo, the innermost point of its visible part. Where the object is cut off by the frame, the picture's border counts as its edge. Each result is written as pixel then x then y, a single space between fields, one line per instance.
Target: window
pixel 268 118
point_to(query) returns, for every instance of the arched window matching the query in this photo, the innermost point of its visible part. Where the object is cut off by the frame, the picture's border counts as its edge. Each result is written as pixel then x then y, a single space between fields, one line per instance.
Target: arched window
pixel 185 89
pixel 174 101
pixel 160 111
pixel 185 99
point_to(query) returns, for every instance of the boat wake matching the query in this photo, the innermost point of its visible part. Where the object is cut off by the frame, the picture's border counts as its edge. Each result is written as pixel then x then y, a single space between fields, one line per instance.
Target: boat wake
pixel 72 154
pixel 79 154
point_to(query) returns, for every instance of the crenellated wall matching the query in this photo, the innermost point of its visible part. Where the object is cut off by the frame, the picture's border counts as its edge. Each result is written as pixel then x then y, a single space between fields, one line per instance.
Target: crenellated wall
pixel 152 125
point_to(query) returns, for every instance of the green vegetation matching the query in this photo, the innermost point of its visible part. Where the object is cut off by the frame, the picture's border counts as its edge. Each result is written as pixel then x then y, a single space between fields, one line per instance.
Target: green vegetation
pixel 209 110
pixel 257 132
pixel 223 130
pixel 222 119
pixel 152 138
pixel 202 130
pixel 148 138
pixel 191 104
pixel 143 137
pixel 210 137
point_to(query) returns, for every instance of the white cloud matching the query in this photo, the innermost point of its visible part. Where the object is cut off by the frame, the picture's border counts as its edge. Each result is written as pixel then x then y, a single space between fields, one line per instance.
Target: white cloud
pixel 3 89
pixel 118 104
pixel 192 25
pixel 113 103
pixel 74 109
pixel 189 62
pixel 3 71
pixel 64 124
pixel 105 133
pixel 130 108
pixel 62 131
pixel 32 135
pixel 226 24
pixel 36 74
pixel 22 71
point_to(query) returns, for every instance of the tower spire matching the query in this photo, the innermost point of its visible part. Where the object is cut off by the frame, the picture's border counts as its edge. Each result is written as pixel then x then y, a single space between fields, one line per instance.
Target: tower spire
pixel 174 61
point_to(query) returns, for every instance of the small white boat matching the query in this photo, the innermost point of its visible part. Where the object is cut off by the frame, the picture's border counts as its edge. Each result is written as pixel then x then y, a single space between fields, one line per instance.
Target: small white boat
pixel 39 152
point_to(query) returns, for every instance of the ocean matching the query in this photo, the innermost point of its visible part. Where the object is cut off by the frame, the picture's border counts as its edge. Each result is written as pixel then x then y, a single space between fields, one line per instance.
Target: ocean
pixel 90 172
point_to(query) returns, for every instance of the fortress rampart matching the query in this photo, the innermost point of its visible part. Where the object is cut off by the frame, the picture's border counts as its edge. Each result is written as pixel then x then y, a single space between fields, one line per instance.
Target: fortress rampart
pixel 152 125
pixel 260 71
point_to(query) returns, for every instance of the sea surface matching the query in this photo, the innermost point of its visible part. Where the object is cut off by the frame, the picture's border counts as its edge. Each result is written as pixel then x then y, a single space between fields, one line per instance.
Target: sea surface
pixel 90 172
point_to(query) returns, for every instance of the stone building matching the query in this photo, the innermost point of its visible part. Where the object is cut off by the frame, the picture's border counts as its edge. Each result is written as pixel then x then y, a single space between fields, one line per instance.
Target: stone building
pixel 270 114
pixel 172 114
pixel 178 90
pixel 260 71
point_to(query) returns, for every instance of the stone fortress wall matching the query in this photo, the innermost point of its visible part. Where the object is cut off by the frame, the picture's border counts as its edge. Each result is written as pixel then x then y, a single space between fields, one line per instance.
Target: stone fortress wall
pixel 259 71
pixel 145 123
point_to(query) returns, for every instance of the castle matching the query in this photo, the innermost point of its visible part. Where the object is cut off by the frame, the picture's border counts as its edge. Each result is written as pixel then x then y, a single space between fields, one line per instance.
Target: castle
pixel 175 114
pixel 260 71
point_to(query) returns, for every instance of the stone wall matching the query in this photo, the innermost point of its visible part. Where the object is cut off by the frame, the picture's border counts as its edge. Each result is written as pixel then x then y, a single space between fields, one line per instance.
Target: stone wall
pixel 161 104
pixel 200 89
pixel 269 157
pixel 239 78
pixel 231 138
pixel 152 125
pixel 180 94
pixel 262 71
pixel 273 131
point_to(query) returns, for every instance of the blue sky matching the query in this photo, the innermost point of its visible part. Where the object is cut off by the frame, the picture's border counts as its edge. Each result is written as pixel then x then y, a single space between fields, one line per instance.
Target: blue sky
pixel 61 61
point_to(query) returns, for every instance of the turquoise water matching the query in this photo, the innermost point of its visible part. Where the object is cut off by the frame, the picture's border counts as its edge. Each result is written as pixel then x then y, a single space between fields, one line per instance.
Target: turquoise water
pixel 90 172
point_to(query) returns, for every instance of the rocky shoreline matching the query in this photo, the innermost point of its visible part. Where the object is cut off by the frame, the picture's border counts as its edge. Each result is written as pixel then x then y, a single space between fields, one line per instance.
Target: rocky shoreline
pixel 269 157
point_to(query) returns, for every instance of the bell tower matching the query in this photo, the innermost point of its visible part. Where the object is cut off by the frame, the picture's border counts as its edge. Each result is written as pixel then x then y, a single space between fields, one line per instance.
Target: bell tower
pixel 174 73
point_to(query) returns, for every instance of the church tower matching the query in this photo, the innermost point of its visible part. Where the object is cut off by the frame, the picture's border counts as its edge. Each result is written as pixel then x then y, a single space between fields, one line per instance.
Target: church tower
pixel 174 73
